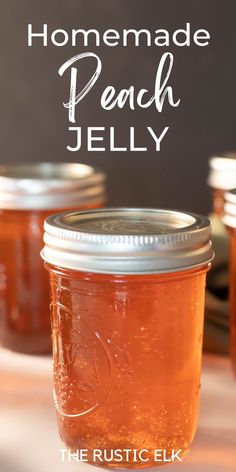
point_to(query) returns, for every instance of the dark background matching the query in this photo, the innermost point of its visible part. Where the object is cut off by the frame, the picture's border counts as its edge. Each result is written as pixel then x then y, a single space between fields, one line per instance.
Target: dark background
pixel 34 123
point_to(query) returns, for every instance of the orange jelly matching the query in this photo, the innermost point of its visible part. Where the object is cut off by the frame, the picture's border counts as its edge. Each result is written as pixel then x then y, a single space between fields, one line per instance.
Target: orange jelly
pixel 24 291
pixel 30 193
pixel 230 221
pixel 127 290
pixel 233 298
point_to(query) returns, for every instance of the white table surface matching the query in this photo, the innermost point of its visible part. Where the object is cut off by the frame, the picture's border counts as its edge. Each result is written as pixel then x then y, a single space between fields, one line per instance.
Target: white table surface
pixel 29 440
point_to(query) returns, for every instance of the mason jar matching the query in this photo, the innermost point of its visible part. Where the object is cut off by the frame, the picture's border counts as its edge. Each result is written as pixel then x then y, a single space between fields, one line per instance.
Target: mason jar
pixel 222 177
pixel 28 194
pixel 127 307
pixel 230 222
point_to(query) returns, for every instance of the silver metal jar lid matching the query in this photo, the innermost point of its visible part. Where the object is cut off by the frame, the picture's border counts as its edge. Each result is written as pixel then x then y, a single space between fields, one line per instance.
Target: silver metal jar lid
pixel 222 173
pixel 127 241
pixel 229 217
pixel 50 186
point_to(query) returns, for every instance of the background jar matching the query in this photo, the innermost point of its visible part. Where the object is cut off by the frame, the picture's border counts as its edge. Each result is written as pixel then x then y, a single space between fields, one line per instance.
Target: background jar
pixel 127 317
pixel 230 222
pixel 28 194
pixel 222 177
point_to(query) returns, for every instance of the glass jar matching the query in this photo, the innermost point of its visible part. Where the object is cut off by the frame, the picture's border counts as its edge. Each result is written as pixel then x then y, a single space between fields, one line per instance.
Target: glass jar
pixel 230 222
pixel 127 306
pixel 222 177
pixel 28 194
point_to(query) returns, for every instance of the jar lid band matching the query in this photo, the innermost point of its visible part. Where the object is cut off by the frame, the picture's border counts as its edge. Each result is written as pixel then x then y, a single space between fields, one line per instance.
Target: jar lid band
pixel 222 173
pixel 127 241
pixel 50 185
